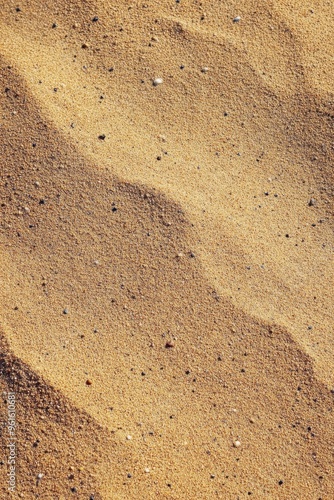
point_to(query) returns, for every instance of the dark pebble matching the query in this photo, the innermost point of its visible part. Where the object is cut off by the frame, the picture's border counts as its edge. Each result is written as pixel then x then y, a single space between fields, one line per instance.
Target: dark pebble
pixel 102 137
pixel 95 19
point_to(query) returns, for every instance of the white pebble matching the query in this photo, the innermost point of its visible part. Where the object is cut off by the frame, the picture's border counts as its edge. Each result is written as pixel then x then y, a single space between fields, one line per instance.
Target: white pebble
pixel 157 81
pixel 39 476
pixel 236 19
pixel 129 438
pixel 237 444
pixel 205 69
pixel 147 470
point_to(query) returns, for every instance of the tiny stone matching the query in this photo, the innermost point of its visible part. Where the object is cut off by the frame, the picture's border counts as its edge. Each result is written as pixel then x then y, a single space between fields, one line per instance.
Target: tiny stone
pixel 205 69
pixel 169 345
pixel 102 137
pixel 157 81
pixel 39 476
pixel 54 25
pixel 88 382
pixel 95 19
pixel 236 444
pixel 311 203
pixel 129 476
pixel 129 437
pixel 236 19
pixel 147 470
pixel 65 311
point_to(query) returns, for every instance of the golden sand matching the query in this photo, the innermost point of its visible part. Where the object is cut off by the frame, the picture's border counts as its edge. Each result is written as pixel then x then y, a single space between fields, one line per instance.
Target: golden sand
pixel 167 249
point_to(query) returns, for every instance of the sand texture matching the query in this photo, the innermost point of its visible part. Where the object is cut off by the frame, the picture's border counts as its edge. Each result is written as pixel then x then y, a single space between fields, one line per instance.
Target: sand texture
pixel 167 249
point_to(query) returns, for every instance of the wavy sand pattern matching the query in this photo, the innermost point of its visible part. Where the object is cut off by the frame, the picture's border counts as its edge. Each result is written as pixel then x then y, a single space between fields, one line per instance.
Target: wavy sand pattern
pixel 167 252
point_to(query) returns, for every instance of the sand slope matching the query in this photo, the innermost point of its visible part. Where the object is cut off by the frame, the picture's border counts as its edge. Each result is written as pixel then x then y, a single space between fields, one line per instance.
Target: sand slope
pixel 166 282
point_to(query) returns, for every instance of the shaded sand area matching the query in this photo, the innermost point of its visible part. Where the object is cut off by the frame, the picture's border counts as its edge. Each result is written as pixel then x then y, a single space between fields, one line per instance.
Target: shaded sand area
pixel 167 250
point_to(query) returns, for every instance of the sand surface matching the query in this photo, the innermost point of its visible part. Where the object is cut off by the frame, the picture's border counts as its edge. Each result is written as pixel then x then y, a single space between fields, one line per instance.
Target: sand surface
pixel 167 250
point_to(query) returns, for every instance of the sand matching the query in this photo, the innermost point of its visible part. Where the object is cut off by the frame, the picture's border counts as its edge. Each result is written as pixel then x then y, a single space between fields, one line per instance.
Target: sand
pixel 167 249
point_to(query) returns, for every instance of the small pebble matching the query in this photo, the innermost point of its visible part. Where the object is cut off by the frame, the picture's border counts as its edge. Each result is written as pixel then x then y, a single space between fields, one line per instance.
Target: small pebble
pixel 95 19
pixel 102 137
pixel 39 476
pixel 237 19
pixel 236 444
pixel 129 437
pixel 169 345
pixel 147 470
pixel 65 311
pixel 157 81
pixel 88 382
pixel 205 69
pixel 311 203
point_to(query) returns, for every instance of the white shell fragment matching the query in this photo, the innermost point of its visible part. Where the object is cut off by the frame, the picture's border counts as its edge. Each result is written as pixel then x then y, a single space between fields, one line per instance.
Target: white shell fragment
pixel 157 81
